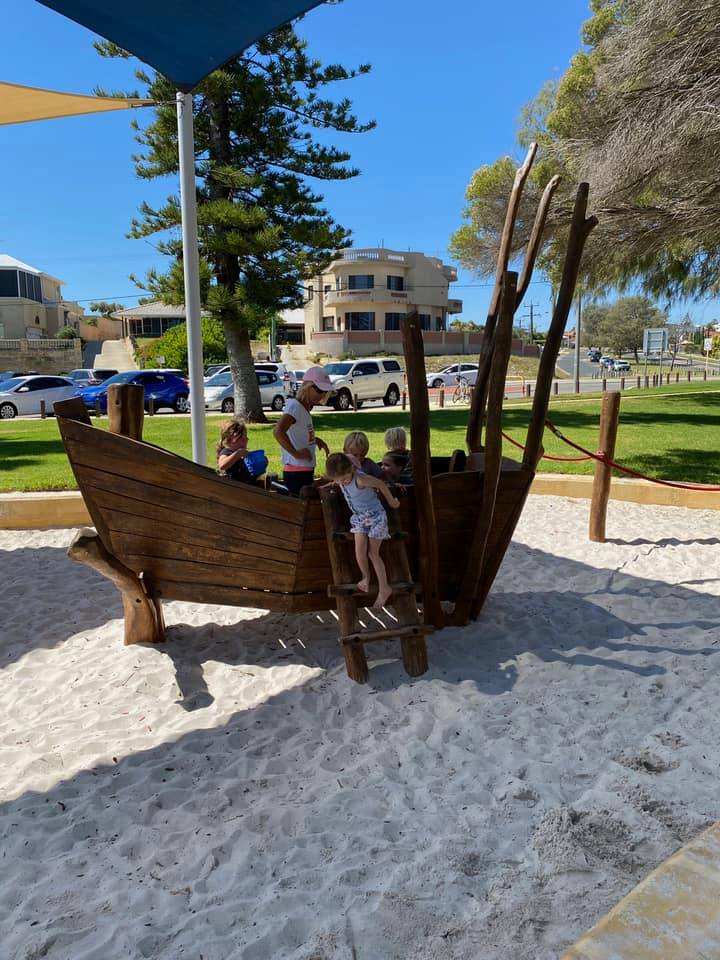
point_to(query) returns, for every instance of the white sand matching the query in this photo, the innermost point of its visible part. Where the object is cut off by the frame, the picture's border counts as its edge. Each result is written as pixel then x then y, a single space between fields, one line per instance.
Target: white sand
pixel 232 794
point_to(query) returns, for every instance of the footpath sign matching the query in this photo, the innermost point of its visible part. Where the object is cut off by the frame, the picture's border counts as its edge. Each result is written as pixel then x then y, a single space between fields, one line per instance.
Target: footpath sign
pixel 707 344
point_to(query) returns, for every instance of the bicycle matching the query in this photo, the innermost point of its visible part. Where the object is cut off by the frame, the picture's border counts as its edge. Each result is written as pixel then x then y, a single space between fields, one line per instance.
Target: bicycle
pixel 461 394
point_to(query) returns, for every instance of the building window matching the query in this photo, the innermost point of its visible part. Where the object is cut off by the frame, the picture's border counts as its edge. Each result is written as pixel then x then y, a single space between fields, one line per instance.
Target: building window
pixel 326 288
pixel 360 321
pixel 37 319
pixel 337 283
pixel 396 283
pixel 328 323
pixel 393 320
pixel 425 321
pixel 361 281
pixel 310 292
pixel 8 283
pixel 439 323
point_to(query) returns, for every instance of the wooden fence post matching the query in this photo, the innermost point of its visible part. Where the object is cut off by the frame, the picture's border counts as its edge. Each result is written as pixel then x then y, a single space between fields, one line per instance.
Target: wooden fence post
pixel 151 407
pixel 125 409
pixel 604 386
pixel 43 411
pixel 677 378
pixel 689 375
pixel 404 399
pixel 441 398
pixel 622 383
pixel 98 412
pixel 603 473
pixel 556 388
pixel 638 382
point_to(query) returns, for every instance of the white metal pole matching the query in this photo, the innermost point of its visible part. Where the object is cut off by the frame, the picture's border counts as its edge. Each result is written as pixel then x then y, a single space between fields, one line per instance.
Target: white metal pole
pixel 191 269
pixel 577 343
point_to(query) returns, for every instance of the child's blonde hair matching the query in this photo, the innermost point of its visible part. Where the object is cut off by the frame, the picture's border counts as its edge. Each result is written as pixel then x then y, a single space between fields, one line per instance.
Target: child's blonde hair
pixel 396 438
pixel 229 429
pixel 357 443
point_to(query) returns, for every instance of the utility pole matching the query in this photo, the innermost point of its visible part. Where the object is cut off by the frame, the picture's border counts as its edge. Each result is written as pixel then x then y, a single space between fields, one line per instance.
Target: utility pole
pixel 531 317
pixel 577 343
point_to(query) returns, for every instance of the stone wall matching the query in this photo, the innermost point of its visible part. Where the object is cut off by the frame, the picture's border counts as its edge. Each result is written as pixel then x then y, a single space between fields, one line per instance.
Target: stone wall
pixel 42 356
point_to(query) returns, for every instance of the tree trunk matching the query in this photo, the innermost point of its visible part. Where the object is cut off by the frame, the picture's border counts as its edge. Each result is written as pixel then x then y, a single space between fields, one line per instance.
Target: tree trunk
pixel 227 271
pixel 247 392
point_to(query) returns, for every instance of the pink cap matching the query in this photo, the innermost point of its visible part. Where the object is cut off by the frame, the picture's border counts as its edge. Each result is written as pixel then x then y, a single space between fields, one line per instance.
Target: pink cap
pixel 318 376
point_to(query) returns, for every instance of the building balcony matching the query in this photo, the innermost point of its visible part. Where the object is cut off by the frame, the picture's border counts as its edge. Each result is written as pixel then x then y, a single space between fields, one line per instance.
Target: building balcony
pixel 336 298
pixel 454 306
pixel 348 257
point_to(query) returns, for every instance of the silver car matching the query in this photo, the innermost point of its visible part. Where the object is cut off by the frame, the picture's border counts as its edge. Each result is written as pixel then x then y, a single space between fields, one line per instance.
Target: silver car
pixel 219 391
pixel 21 396
pixel 448 376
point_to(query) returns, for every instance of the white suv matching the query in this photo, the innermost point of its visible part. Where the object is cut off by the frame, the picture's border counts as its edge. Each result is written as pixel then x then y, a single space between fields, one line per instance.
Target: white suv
pixel 375 379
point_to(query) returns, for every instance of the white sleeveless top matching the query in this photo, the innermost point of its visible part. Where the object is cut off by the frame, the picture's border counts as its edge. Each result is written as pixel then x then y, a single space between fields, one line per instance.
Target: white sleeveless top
pixel 301 435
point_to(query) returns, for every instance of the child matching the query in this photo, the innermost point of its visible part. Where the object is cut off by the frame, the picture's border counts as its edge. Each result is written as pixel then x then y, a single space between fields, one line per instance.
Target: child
pixel 295 433
pixel 232 450
pixel 356 447
pixel 368 521
pixel 396 443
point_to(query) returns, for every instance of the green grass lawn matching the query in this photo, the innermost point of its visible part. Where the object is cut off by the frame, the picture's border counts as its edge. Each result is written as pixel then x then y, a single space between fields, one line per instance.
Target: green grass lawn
pixel 671 434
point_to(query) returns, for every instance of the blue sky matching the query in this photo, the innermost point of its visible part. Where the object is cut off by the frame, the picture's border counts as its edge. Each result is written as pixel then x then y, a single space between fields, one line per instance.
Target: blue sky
pixel 447 84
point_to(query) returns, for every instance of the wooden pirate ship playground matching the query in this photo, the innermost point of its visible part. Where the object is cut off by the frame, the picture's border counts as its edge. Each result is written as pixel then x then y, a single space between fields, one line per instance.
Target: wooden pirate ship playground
pixel 169 529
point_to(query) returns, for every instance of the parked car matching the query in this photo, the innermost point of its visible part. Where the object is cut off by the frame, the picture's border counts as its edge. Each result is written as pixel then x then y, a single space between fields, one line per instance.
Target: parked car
pixel 9 374
pixel 214 368
pixel 164 388
pixel 607 362
pixel 20 396
pixel 376 379
pixel 594 355
pixel 621 366
pixel 87 377
pixel 283 371
pixel 448 376
pixel 219 391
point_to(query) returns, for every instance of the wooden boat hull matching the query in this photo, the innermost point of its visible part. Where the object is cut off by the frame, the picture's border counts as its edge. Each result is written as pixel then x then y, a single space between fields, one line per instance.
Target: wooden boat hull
pixel 192 535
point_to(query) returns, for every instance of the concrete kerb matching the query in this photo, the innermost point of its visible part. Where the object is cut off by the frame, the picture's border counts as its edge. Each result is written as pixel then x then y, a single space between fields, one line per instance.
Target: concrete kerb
pixel 42 511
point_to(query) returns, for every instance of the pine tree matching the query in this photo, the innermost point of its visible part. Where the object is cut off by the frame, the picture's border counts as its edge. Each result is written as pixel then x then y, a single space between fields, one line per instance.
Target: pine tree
pixel 262 228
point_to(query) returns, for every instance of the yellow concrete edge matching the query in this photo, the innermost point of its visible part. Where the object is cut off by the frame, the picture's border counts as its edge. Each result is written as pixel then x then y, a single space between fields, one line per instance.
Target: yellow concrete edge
pixel 673 914
pixel 66 508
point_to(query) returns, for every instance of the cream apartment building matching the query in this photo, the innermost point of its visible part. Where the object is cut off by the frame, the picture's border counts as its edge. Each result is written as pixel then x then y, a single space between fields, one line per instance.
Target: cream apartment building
pixel 357 305
pixel 31 303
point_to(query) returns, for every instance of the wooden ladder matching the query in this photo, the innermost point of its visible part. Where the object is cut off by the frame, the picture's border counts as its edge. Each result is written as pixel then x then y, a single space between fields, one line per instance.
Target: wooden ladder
pixel 408 627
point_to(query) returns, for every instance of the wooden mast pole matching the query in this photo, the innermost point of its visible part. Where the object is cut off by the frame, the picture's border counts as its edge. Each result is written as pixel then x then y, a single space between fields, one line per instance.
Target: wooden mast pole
pixel 474 428
pixel 493 452
pixel 580 228
pixel 420 445
pixel 603 473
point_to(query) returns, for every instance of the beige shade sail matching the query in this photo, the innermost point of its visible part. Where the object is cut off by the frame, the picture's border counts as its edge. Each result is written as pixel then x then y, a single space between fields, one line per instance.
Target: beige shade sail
pixel 19 104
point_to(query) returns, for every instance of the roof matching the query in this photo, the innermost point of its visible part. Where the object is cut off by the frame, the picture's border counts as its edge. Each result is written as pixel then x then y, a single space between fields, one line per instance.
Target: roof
pixel 13 263
pixel 293 317
pixel 155 309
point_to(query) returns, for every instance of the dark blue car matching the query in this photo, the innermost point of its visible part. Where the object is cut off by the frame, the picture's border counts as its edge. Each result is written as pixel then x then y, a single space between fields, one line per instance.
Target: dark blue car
pixel 165 389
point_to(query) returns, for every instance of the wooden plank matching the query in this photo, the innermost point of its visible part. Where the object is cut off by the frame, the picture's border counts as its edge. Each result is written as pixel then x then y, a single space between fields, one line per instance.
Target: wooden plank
pixel 267 530
pixel 147 544
pixel 72 409
pixel 125 457
pixel 130 516
pixel 414 630
pixel 125 407
pixel 603 473
pixel 168 568
pixel 220 593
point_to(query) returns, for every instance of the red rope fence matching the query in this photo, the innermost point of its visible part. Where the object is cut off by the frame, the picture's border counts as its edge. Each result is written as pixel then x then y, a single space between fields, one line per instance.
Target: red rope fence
pixel 589 455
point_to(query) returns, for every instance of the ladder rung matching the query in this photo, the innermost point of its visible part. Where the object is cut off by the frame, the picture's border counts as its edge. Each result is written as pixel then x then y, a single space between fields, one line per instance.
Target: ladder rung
pixel 414 630
pixel 346 536
pixel 351 590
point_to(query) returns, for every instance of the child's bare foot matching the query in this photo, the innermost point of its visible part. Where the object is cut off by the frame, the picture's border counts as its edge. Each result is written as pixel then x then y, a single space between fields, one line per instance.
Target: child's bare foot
pixel 382 597
pixel 363 586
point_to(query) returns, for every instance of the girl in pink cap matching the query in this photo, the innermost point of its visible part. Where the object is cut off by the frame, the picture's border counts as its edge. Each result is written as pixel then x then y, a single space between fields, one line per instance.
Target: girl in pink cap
pixel 295 433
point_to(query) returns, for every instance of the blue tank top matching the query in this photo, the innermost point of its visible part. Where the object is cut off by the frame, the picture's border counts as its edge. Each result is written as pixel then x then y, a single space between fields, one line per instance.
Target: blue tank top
pixel 361 499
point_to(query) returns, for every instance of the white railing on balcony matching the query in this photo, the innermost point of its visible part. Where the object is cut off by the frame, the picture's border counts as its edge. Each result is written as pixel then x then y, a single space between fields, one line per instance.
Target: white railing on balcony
pixel 9 344
pixel 371 255
pixel 51 344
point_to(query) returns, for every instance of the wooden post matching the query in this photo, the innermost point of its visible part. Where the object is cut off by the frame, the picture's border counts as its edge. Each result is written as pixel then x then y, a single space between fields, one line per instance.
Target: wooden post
pixel 689 375
pixel 404 400
pixel 493 453
pixel 143 615
pixel 151 407
pixel 647 381
pixel 604 385
pixel 420 446
pixel 441 397
pixel 355 402
pixel 98 412
pixel 43 411
pixel 639 380
pixel 580 228
pixel 622 383
pixel 603 473
pixel 125 409
pixel 556 388
pixel 677 377
pixel 704 374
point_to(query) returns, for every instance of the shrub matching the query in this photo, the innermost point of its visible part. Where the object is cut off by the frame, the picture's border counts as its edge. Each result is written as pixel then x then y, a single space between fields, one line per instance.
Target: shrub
pixel 172 345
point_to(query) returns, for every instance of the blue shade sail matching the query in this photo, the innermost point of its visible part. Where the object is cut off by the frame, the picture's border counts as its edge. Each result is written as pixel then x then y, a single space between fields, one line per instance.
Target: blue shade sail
pixel 185 40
